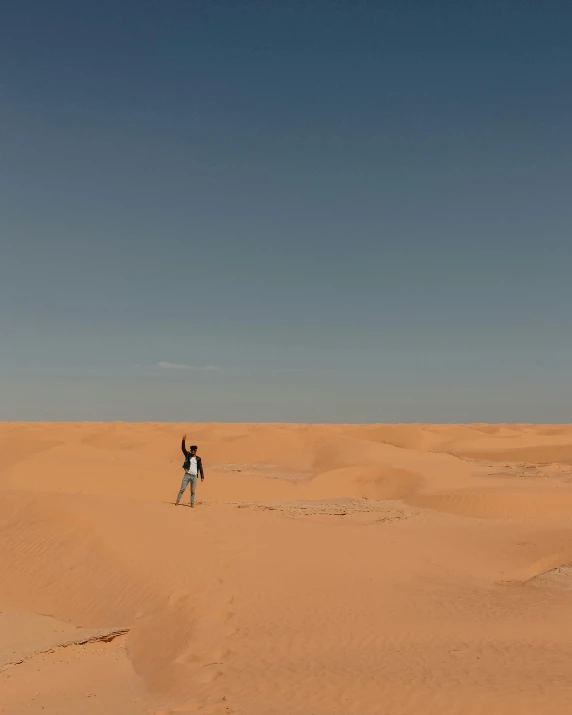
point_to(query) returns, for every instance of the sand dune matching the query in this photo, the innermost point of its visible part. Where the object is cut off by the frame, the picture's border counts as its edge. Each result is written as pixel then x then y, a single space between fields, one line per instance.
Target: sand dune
pixel 383 569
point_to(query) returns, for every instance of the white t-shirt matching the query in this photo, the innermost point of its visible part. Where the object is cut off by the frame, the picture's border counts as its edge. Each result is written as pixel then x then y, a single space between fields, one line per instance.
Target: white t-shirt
pixel 192 470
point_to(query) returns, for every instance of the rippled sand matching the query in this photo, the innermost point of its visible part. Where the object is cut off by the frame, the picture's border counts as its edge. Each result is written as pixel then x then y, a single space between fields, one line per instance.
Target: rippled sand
pixel 339 570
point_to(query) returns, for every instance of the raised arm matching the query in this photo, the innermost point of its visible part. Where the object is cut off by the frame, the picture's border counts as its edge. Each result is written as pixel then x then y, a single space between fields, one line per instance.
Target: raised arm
pixel 183 446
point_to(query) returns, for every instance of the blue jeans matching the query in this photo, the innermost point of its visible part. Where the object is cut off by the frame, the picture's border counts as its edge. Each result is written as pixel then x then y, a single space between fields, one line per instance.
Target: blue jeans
pixel 193 479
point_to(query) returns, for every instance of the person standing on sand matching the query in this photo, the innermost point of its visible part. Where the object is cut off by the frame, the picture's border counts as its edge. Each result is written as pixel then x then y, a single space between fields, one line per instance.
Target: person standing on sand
pixel 193 467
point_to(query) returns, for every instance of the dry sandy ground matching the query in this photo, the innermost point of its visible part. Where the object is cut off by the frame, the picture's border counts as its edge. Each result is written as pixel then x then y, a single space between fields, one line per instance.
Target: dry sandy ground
pixel 383 570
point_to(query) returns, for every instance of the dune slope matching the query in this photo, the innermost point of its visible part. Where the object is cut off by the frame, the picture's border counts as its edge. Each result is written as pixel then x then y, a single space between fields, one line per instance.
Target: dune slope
pixel 339 569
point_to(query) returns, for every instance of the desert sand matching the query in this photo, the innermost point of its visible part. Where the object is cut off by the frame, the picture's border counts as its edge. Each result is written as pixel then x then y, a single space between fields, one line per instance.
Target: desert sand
pixel 339 569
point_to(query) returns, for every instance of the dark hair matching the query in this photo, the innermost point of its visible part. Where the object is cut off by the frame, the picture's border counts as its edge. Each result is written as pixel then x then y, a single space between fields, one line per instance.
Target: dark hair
pixel 193 446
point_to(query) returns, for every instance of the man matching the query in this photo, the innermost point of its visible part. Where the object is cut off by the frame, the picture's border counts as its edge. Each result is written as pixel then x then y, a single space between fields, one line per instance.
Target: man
pixel 193 467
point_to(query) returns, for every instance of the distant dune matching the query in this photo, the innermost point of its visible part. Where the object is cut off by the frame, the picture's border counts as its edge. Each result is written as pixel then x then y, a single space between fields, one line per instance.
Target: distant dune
pixel 326 570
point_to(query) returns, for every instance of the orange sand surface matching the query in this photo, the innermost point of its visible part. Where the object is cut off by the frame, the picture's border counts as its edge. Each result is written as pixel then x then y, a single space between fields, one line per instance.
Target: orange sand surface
pixel 337 569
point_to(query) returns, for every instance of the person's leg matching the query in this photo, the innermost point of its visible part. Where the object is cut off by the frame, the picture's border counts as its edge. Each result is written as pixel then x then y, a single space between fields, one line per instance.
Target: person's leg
pixel 194 481
pixel 184 483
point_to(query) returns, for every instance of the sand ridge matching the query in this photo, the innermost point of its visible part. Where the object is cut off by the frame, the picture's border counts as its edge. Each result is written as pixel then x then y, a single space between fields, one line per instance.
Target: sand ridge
pixel 326 569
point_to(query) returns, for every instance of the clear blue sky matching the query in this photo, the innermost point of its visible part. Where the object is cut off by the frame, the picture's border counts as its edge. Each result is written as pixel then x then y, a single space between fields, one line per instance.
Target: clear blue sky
pixel 354 211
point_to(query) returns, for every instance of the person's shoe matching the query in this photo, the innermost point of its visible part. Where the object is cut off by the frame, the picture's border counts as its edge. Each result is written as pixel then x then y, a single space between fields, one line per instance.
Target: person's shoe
pixel 192 506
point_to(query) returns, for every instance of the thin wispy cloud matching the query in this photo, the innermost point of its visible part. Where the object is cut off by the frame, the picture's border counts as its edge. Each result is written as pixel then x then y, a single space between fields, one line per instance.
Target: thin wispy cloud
pixel 164 365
